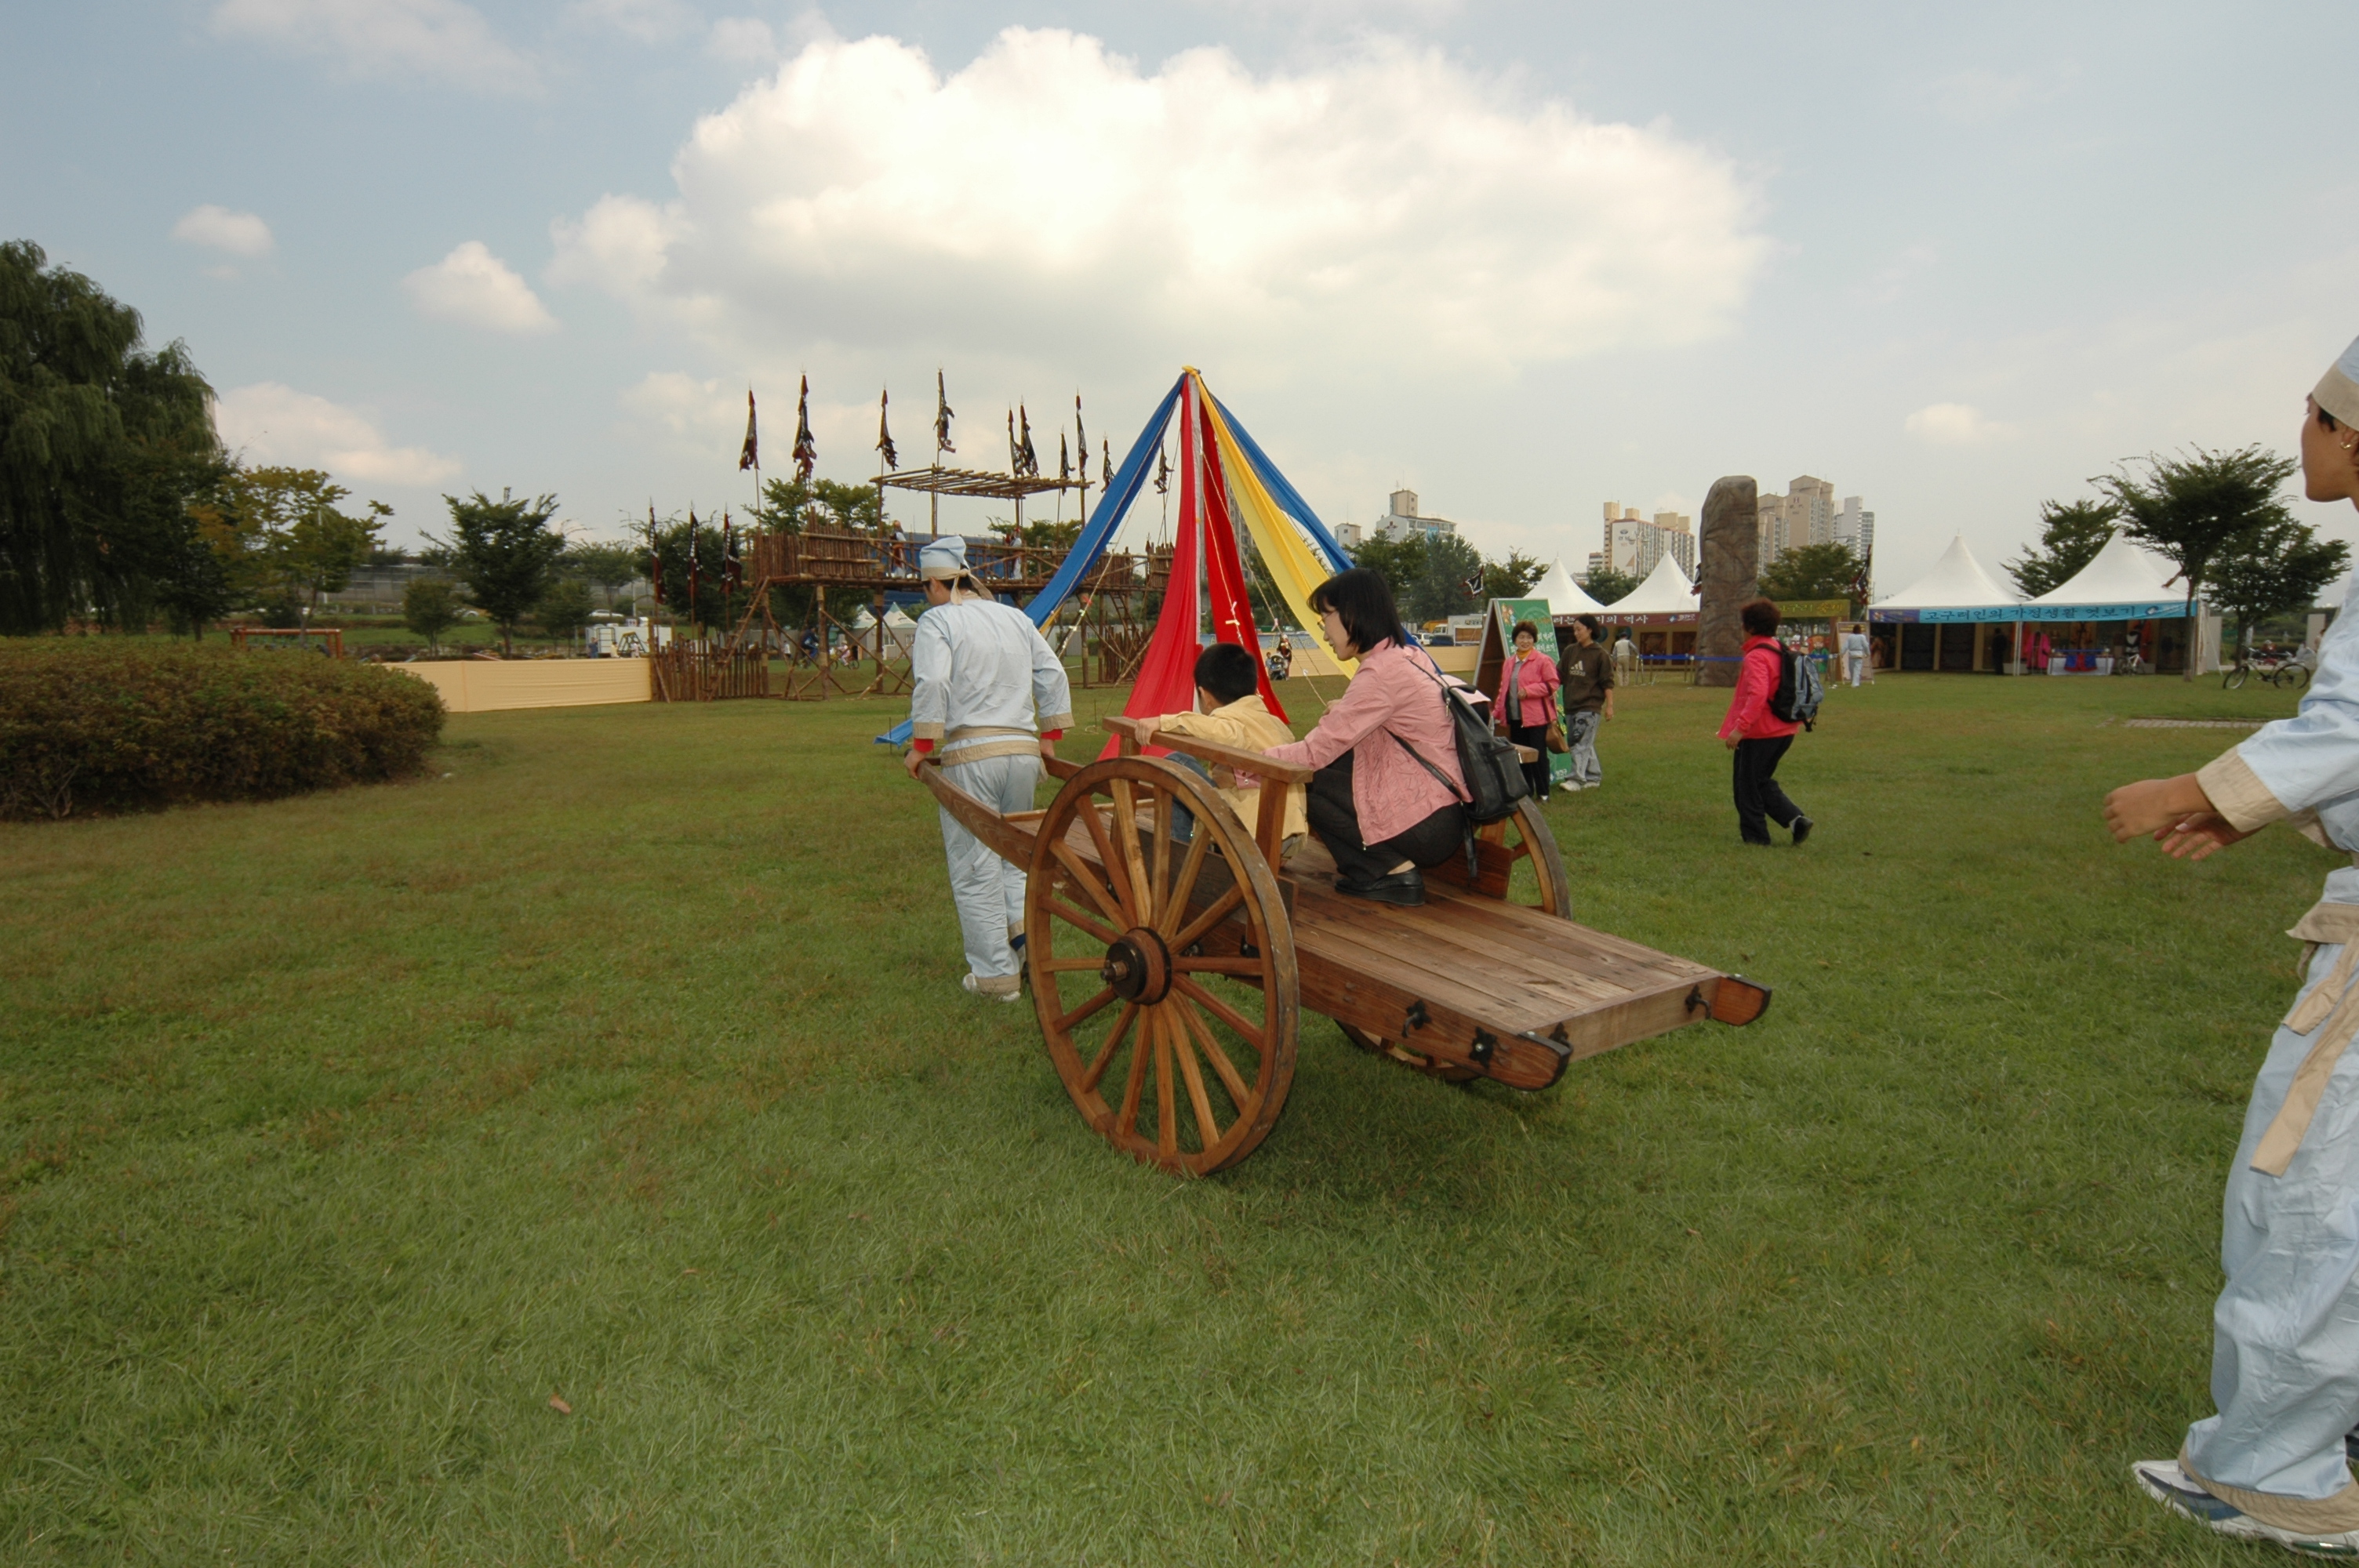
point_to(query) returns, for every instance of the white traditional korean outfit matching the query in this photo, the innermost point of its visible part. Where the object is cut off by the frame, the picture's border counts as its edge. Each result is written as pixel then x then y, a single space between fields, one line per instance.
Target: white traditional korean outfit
pixel 2285 1359
pixel 982 672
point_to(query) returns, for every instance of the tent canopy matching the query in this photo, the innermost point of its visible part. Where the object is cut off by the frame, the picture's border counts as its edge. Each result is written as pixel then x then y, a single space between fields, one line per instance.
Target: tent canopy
pixel 1564 596
pixel 1957 588
pixel 2122 583
pixel 1666 592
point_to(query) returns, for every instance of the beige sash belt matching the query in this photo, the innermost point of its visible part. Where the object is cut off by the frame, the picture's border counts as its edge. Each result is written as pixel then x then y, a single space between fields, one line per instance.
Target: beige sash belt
pixel 982 748
pixel 2333 1002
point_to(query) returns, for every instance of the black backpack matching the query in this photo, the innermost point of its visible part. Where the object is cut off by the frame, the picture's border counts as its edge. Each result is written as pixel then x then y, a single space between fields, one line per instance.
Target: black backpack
pixel 1800 691
pixel 1493 772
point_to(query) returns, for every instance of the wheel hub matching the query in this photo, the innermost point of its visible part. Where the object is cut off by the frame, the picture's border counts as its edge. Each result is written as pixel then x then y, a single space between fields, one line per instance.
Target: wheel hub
pixel 1138 967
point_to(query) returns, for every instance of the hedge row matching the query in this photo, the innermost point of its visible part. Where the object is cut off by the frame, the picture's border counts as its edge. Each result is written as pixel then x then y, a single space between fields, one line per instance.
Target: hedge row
pixel 97 724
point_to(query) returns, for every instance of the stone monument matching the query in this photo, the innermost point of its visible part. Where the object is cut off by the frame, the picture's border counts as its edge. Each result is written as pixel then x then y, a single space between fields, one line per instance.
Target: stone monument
pixel 1728 567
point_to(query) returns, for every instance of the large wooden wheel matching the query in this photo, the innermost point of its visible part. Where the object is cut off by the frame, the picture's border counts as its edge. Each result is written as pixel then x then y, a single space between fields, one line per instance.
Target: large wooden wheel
pixel 1154 959
pixel 1520 864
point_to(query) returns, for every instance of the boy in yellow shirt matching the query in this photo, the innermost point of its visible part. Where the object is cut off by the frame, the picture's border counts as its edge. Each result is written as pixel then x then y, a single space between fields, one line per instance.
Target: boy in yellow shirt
pixel 1229 711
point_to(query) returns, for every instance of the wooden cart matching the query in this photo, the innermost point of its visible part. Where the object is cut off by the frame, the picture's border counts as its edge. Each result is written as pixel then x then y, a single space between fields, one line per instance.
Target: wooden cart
pixel 1198 954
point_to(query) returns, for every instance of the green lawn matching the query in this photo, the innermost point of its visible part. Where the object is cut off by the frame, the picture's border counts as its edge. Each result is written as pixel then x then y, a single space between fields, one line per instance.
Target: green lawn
pixel 625 1062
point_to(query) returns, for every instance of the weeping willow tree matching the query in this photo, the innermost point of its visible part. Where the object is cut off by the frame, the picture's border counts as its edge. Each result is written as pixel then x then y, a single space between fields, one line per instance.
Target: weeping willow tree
pixel 104 450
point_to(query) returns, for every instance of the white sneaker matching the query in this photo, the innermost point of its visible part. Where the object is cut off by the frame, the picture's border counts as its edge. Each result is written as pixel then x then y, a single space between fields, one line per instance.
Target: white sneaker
pixel 2167 1484
pixel 1002 988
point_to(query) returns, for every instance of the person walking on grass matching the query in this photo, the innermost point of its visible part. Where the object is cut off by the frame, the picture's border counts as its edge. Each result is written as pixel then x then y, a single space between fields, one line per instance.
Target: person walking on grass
pixel 980 674
pixel 2272 1463
pixel 1755 732
pixel 1589 681
pixel 1854 655
pixel 1526 703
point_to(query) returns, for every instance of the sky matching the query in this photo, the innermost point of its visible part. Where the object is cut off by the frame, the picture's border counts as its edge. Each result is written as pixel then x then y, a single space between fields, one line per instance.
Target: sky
pixel 1521 258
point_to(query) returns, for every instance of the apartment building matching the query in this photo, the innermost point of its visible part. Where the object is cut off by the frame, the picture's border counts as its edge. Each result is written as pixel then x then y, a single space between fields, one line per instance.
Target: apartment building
pixel 1634 544
pixel 1807 514
pixel 1403 521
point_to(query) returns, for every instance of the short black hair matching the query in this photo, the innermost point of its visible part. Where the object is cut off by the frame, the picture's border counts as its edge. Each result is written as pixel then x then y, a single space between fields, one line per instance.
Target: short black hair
pixel 1524 628
pixel 1760 617
pixel 1228 672
pixel 1590 622
pixel 1363 601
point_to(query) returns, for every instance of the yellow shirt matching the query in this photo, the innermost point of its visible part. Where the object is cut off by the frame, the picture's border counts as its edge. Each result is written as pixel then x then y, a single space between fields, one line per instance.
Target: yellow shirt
pixel 1249 726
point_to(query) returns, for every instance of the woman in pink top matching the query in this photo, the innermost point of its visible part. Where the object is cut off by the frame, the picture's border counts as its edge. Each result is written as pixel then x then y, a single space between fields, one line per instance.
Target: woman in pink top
pixel 1526 703
pixel 1757 736
pixel 1377 802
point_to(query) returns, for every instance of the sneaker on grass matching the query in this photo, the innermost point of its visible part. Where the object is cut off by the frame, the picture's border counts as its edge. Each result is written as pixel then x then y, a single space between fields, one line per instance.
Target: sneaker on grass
pixel 2167 1484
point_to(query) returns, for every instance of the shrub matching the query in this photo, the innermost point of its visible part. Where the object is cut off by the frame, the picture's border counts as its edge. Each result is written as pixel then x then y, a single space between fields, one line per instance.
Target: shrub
pixel 116 726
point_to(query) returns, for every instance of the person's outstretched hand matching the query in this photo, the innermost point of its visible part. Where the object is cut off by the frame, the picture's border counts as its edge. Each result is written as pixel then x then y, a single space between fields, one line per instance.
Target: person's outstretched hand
pixel 2196 837
pixel 2156 807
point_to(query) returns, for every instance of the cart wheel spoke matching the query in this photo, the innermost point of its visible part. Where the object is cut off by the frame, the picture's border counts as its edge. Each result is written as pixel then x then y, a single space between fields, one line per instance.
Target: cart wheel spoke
pixel 1115 869
pixel 1208 1128
pixel 1159 883
pixel 1174 907
pixel 1231 1079
pixel 1223 907
pixel 1112 1044
pixel 1075 918
pixel 1134 864
pixel 1101 892
pixel 1218 1009
pixel 1167 1119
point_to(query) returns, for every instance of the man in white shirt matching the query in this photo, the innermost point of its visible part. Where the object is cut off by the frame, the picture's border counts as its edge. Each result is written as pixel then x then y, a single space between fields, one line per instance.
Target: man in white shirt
pixel 982 672
pixel 1854 654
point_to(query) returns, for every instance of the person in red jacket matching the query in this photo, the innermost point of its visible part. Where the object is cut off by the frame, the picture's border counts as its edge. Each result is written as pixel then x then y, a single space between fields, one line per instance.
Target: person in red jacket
pixel 1757 736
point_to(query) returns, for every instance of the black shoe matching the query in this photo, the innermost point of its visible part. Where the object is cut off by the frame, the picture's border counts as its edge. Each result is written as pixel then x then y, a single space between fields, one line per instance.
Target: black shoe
pixel 1406 888
pixel 1802 826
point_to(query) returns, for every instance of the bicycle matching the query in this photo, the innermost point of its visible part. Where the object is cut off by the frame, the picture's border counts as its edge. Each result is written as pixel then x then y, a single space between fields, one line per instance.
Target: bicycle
pixel 2286 673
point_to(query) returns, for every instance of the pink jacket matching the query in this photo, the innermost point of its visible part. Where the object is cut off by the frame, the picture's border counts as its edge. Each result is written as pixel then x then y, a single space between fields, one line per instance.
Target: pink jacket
pixel 1536 680
pixel 1394 693
pixel 1749 716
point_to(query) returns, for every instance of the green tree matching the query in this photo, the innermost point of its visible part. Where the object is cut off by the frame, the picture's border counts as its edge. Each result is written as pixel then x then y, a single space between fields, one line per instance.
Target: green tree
pixel 1452 582
pixel 1400 562
pixel 104 451
pixel 2070 535
pixel 606 567
pixel 712 606
pixel 2196 510
pixel 282 539
pixel 565 608
pixel 2276 570
pixel 429 608
pixel 790 506
pixel 1812 571
pixel 1512 577
pixel 1606 584
pixel 506 553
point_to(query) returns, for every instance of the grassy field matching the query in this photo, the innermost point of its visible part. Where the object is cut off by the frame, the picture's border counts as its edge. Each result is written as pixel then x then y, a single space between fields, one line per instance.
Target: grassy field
pixel 622 1064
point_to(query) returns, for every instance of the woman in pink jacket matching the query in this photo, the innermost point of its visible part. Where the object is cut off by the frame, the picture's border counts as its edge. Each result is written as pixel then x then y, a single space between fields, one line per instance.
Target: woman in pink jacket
pixel 1377 802
pixel 1757 736
pixel 1527 702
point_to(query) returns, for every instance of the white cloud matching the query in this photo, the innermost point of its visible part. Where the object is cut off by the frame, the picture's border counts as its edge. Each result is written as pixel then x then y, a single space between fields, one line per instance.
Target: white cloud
pixel 1388 214
pixel 440 39
pixel 218 228
pixel 474 288
pixel 1956 425
pixel 270 422
pixel 742 38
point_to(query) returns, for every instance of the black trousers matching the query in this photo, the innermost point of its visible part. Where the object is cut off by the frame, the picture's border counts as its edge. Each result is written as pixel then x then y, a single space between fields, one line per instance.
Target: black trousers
pixel 1758 795
pixel 1535 773
pixel 1336 821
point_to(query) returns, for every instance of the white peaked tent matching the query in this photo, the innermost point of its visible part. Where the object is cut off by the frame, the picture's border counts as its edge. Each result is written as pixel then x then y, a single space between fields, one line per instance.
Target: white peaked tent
pixel 1956 582
pixel 1666 592
pixel 1564 596
pixel 2123 582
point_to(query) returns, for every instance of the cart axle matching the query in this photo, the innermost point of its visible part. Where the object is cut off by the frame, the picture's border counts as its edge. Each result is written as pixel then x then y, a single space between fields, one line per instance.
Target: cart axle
pixel 1138 967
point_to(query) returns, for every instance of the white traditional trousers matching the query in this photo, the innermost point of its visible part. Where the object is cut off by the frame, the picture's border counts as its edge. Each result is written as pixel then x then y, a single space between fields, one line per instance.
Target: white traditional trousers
pixel 1580 729
pixel 1854 664
pixel 989 892
pixel 2285 1331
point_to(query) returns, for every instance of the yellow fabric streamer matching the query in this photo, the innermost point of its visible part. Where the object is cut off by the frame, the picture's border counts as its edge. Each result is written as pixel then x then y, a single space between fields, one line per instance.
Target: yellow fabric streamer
pixel 1283 548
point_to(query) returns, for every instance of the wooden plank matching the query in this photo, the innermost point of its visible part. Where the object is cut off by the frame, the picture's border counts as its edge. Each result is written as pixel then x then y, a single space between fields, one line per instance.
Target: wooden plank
pixel 1259 764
